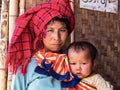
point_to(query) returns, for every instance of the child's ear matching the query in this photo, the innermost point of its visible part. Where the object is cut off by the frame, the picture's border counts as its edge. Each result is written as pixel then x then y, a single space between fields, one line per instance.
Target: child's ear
pixel 94 66
pixel 94 63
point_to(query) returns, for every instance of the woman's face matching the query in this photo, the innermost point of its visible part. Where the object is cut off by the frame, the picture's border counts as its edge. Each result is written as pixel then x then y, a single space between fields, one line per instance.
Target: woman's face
pixel 56 35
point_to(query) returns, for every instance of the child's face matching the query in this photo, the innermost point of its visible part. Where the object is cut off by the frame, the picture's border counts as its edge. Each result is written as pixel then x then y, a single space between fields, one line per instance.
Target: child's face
pixel 80 63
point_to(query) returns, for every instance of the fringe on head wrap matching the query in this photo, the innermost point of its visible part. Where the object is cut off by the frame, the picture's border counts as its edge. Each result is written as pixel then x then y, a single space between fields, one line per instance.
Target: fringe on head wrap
pixel 29 29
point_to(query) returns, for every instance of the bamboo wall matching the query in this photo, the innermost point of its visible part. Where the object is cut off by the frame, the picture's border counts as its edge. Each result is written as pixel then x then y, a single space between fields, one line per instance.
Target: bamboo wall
pixel 103 30
pixel 3 42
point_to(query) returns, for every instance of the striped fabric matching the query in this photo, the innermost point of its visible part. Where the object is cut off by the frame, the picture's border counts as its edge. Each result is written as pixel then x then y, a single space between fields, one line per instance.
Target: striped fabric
pixel 61 66
pixel 57 66
pixel 59 61
pixel 30 28
pixel 82 86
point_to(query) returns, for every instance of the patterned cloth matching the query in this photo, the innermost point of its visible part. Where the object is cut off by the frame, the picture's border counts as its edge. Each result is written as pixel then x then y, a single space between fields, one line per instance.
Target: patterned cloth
pixel 57 66
pixel 83 86
pixel 93 82
pixel 30 28
pixel 58 62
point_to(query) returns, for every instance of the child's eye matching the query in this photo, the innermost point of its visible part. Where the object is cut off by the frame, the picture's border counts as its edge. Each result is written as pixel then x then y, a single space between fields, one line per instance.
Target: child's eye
pixel 73 63
pixel 84 63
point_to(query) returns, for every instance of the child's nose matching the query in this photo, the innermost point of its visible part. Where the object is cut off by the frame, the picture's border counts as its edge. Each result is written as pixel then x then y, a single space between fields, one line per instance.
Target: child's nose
pixel 78 67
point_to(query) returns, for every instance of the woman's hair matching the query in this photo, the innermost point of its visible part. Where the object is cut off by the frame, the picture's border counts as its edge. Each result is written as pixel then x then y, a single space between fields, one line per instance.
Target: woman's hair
pixel 64 20
pixel 84 46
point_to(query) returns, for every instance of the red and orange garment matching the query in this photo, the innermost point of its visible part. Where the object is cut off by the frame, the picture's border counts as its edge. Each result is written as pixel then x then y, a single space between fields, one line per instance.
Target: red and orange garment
pixel 82 86
pixel 57 66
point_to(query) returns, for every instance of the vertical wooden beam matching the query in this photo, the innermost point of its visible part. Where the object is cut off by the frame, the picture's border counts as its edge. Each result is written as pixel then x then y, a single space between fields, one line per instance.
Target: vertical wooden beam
pixel 3 43
pixel 72 34
pixel 22 6
pixel 13 14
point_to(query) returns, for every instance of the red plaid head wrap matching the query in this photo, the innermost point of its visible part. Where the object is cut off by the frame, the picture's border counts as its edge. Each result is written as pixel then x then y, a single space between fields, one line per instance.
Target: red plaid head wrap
pixel 29 29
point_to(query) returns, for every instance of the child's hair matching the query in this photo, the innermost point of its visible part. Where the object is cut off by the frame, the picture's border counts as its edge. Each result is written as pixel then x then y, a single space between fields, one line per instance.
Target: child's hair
pixel 84 46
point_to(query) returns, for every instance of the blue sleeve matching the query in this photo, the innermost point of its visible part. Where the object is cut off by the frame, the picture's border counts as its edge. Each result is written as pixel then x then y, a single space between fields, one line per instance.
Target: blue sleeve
pixel 18 82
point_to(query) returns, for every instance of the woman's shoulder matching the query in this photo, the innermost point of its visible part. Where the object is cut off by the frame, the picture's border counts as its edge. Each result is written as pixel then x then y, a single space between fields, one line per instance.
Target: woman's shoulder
pixel 31 68
pixel 32 64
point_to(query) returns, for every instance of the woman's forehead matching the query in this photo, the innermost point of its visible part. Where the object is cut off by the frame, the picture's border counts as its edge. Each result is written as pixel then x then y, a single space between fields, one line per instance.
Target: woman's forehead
pixel 56 23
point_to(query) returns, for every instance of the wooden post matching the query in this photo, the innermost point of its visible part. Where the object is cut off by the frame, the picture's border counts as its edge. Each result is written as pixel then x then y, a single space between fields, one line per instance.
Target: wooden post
pixel 13 14
pixel 3 43
pixel 22 6
pixel 72 34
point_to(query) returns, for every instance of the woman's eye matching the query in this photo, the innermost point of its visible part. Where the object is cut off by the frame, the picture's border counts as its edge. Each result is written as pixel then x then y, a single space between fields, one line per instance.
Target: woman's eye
pixel 49 30
pixel 63 30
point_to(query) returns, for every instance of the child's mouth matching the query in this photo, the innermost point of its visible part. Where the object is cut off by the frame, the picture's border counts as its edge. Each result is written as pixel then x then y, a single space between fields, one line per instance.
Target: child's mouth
pixel 78 74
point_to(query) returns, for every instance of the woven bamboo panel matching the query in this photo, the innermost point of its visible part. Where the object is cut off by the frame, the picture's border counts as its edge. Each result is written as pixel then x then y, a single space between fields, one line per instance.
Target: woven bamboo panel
pixel 3 74
pixel 32 3
pixel 103 30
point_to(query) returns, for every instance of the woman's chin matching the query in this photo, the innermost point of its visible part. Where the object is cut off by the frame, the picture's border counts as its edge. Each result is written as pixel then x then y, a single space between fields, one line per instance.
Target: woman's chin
pixel 55 50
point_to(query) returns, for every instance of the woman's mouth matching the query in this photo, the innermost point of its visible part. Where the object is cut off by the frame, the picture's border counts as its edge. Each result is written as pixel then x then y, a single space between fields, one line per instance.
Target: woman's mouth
pixel 56 44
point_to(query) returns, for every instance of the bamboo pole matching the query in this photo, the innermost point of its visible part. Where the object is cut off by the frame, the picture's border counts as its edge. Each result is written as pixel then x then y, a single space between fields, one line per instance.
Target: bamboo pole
pixel 3 43
pixel 22 6
pixel 13 14
pixel 72 39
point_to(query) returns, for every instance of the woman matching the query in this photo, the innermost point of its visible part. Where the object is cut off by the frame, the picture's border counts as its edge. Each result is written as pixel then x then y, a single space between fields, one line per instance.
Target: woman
pixel 45 27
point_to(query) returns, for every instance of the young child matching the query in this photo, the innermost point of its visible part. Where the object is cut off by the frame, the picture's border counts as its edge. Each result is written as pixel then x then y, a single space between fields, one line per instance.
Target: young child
pixel 82 58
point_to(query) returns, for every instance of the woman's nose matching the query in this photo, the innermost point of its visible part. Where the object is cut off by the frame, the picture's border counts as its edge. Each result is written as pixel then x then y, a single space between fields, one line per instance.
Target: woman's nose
pixel 56 35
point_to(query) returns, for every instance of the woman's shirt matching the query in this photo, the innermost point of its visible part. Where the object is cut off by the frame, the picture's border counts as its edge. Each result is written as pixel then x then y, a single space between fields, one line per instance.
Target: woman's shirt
pixel 34 81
